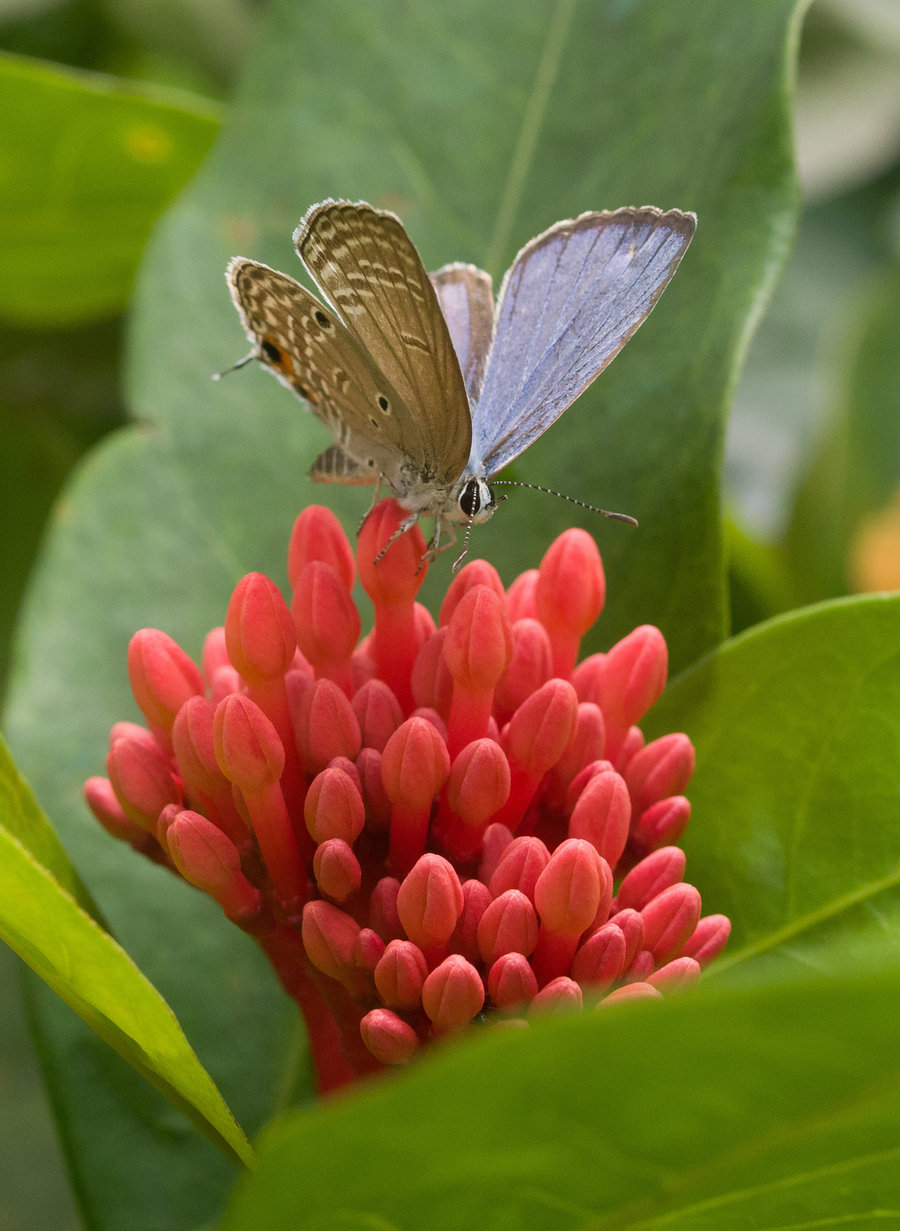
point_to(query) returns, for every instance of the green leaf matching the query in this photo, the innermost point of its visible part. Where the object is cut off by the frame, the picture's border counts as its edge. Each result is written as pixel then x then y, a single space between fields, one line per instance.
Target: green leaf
pixel 42 921
pixel 88 165
pixel 697 1112
pixel 794 833
pixel 482 125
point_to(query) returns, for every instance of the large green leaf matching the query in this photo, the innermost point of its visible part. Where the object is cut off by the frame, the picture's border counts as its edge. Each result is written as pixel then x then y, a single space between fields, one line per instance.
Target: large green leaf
pixel 60 941
pixel 697 1113
pixel 88 165
pixel 794 831
pixel 481 125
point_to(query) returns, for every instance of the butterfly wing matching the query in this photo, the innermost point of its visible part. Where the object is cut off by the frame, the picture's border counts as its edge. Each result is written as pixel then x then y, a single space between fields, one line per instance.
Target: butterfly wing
pixel 308 348
pixel 466 296
pixel 569 303
pixel 366 264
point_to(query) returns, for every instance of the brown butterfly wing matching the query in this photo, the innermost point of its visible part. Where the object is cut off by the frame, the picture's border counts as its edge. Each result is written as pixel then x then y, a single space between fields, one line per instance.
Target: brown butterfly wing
pixel 365 263
pixel 308 348
pixel 466 296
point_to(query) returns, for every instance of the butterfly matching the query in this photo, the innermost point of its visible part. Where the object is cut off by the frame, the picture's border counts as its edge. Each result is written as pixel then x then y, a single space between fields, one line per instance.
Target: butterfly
pixel 425 385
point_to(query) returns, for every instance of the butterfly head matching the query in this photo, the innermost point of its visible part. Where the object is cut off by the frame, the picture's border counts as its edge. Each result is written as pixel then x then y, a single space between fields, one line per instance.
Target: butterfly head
pixel 475 501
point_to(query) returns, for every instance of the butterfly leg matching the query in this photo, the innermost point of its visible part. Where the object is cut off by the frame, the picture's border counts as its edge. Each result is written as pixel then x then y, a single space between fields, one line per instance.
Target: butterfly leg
pixel 401 529
pixel 365 515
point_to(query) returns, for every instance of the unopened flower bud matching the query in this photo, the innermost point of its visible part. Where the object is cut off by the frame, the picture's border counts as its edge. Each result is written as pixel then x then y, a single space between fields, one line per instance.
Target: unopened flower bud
pixel 669 920
pixel 570 593
pixel 509 925
pixel 162 677
pixel 511 981
pixel 452 994
pixel 400 974
pixel 430 902
pixel 388 1037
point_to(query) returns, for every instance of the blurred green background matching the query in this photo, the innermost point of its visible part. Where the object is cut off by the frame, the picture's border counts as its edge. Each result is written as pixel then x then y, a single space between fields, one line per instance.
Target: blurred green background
pixel 812 460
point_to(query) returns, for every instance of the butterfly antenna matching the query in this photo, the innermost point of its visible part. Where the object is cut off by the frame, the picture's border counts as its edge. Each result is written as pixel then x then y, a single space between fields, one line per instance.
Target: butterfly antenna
pixel 592 508
pixel 241 363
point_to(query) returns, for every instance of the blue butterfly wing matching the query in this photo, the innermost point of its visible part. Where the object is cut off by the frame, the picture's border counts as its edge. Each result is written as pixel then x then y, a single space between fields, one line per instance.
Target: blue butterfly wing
pixel 569 303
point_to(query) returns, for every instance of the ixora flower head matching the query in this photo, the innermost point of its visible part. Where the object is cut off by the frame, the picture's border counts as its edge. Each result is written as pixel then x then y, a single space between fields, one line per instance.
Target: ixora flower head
pixel 433 826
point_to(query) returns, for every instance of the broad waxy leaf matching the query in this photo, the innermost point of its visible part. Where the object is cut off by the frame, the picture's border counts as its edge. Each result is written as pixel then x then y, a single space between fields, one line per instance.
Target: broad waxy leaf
pixel 481 125
pixel 46 926
pixel 88 165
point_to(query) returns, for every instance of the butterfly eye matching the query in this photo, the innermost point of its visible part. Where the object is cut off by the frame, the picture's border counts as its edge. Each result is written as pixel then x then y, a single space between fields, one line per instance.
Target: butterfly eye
pixel 322 319
pixel 271 351
pixel 470 498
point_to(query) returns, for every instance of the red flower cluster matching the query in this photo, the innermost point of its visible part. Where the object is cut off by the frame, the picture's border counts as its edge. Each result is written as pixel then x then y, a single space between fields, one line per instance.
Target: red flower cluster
pixel 433 823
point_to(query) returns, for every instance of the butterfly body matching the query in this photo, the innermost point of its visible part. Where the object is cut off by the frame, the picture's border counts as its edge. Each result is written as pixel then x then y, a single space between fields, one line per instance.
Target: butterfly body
pixel 423 383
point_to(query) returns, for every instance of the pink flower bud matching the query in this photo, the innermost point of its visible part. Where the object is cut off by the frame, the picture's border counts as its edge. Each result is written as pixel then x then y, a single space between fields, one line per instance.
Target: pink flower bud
pixel 430 902
pixel 400 974
pixel 633 679
pixel 571 887
pixel 570 593
pixel 476 899
pixel 162 676
pixel 318 535
pixel 479 782
pixel 215 653
pixel 494 842
pixel 536 738
pixel 142 779
pixel 634 742
pixel 431 681
pixel 101 800
pixel 669 920
pixel 334 807
pixel 520 865
pixel 511 981
pixel 209 859
pixel 660 769
pixel 509 925
pixel 602 815
pixel 631 991
pixel 194 746
pixel 326 620
pixel 585 748
pixel 325 725
pixel 560 995
pixel 521 602
pixel 631 925
pixel 601 959
pixel 675 975
pixel 477 650
pixel 651 876
pixel 662 823
pixel 378 712
pixel 329 938
pixel 388 1037
pixel 368 950
pixel 531 666
pixel 708 939
pixel 383 915
pixel 336 869
pixel 259 631
pixel 414 766
pixel 452 994
pixel 375 797
pixel 643 965
pixel 582 778
pixel 475 573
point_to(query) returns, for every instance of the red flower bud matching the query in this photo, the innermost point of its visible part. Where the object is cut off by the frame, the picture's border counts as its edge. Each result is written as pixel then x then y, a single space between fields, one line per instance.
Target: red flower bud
pixel 430 902
pixel 520 865
pixel 494 842
pixel 378 712
pixel 431 681
pixel 509 925
pixel 511 981
pixel 651 876
pixel 334 807
pixel 142 779
pixel 662 823
pixel 477 651
pixel 476 899
pixel 400 974
pixel 318 535
pixel 475 573
pixel 669 920
pixel 631 925
pixel 521 601
pixel 414 766
pixel 375 797
pixel 708 939
pixel 325 725
pixel 336 869
pixel 561 995
pixel 209 859
pixel 675 975
pixel 101 800
pixel 162 676
pixel 327 622
pixel 388 1037
pixel 259 631
pixel 602 815
pixel 601 959
pixel 383 915
pixel 536 738
pixel 453 994
pixel 631 991
pixel 661 768
pixel 215 653
pixel 585 748
pixel 570 593
pixel 531 666
pixel 329 938
pixel 368 950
